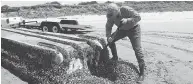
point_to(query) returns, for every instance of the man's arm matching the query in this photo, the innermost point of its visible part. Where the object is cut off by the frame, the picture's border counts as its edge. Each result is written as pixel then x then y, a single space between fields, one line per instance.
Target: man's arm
pixel 131 15
pixel 109 26
pixel 135 17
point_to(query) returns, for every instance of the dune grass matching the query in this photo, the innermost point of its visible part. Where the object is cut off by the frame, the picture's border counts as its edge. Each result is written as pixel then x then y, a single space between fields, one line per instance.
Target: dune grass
pixel 54 10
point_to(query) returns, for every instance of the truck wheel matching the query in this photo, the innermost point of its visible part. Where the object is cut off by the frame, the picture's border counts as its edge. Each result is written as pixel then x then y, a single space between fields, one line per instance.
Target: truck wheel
pixel 45 29
pixel 55 29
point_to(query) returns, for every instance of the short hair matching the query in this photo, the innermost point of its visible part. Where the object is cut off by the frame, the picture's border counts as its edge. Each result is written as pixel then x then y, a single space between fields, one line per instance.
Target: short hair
pixel 111 7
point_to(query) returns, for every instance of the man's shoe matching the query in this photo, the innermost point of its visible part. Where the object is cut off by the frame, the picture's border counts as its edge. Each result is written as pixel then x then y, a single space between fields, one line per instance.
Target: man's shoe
pixel 140 79
pixel 141 74
pixel 114 58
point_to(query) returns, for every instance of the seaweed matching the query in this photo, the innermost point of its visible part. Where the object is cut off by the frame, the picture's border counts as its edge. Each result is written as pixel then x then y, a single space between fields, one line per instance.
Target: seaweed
pixel 33 63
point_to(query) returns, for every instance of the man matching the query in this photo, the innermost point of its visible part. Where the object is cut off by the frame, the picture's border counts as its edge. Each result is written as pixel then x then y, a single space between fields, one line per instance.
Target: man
pixel 128 19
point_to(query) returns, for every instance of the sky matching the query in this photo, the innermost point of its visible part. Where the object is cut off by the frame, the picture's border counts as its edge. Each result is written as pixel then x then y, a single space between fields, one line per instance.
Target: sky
pixel 30 3
pixel 18 3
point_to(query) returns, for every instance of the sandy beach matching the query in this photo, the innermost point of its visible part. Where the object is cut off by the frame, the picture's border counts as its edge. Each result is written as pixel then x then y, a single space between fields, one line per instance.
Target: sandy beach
pixel 167 41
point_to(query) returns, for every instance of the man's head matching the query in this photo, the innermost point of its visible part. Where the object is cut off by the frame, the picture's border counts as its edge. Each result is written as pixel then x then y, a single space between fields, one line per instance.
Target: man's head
pixel 112 10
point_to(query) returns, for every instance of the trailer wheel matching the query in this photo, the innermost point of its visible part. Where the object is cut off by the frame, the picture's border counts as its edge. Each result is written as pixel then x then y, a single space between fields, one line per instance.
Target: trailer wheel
pixel 29 27
pixel 45 29
pixel 73 30
pixel 55 29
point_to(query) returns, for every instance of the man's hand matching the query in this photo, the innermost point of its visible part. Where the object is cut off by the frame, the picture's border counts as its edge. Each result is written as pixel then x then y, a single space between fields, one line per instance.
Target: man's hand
pixel 127 20
pixel 124 21
pixel 109 39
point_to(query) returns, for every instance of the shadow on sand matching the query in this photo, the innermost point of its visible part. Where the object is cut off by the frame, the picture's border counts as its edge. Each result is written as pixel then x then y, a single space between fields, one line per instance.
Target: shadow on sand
pixel 76 32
